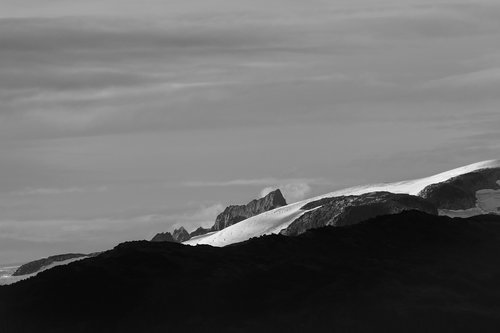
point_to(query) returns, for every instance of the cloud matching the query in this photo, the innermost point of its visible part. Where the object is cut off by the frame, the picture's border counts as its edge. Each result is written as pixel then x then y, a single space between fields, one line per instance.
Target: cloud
pixel 234 182
pixel 92 76
pixel 254 182
pixel 293 189
pixel 85 75
pixel 203 217
pixel 55 191
pixel 479 79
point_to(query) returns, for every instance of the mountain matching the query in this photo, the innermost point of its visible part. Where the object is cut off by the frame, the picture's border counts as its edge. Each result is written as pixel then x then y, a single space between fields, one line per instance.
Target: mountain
pixel 230 216
pixel 234 214
pixel 450 189
pixel 461 192
pixel 164 237
pixel 409 272
pixel 178 236
pixel 181 235
pixel 349 210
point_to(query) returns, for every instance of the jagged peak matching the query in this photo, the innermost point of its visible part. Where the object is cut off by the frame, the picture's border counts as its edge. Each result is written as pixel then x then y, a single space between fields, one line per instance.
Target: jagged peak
pixel 277 195
pixel 180 229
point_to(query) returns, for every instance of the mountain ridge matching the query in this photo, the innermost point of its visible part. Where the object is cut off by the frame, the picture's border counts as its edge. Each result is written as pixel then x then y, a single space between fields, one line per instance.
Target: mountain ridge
pixel 279 219
pixel 408 272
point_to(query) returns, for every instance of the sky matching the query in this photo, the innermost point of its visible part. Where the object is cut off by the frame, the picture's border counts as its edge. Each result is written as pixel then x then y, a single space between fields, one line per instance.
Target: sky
pixel 120 119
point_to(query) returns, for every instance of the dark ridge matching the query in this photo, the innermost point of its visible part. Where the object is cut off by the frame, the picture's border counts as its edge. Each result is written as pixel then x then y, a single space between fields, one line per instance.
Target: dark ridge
pixel 348 210
pixel 409 272
pixel 459 193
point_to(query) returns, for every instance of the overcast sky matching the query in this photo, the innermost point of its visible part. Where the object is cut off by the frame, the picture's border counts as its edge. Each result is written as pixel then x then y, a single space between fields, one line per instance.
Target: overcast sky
pixel 121 118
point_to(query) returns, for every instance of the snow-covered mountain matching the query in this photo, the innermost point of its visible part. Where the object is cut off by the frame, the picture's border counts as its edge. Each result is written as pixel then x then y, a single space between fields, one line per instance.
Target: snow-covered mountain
pixel 447 191
pixel 231 215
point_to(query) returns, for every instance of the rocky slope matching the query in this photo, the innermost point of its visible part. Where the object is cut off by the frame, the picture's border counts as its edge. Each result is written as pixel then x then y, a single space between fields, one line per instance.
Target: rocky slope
pixel 349 210
pixel 164 237
pixel 234 214
pixel 460 193
pixel 200 231
pixel 410 272
pixel 181 235
pixel 178 236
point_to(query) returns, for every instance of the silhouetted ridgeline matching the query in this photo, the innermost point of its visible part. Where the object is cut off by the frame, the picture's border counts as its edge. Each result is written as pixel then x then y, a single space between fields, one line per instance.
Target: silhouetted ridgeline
pixel 410 272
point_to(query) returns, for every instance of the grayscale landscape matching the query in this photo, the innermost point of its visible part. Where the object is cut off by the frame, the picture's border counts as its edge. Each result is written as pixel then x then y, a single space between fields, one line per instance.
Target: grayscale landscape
pixel 338 160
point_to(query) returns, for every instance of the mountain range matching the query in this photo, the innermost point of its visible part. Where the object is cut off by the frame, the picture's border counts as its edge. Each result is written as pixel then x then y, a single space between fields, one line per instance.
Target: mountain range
pixel 413 256
pixel 465 191
pixel 462 192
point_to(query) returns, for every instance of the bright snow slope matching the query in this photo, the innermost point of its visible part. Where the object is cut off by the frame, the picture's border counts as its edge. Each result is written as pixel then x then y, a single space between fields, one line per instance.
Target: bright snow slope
pixel 275 220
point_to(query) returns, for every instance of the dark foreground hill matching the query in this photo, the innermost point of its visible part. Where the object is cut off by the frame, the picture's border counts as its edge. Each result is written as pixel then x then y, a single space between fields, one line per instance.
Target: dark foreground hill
pixel 410 272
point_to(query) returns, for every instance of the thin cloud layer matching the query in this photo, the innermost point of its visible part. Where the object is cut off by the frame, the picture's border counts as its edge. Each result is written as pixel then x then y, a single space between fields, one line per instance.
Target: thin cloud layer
pixel 87 76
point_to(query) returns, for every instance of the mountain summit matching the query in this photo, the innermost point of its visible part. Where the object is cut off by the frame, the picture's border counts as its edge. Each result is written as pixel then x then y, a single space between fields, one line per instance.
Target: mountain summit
pixel 234 214
pixel 178 236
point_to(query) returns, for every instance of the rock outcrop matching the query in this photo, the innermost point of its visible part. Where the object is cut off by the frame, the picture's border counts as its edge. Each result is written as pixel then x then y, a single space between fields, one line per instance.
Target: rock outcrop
pixel 178 236
pixel 231 215
pixel 234 214
pixel 348 210
pixel 181 235
pixel 459 193
pixel 164 237
pixel 200 231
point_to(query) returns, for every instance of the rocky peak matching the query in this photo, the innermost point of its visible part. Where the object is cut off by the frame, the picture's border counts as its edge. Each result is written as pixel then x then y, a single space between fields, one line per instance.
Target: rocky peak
pixel 234 214
pixel 178 236
pixel 231 215
pixel 163 237
pixel 181 235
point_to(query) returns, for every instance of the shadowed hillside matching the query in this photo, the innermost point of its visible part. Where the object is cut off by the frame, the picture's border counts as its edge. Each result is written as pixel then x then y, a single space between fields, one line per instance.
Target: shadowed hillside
pixel 410 272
